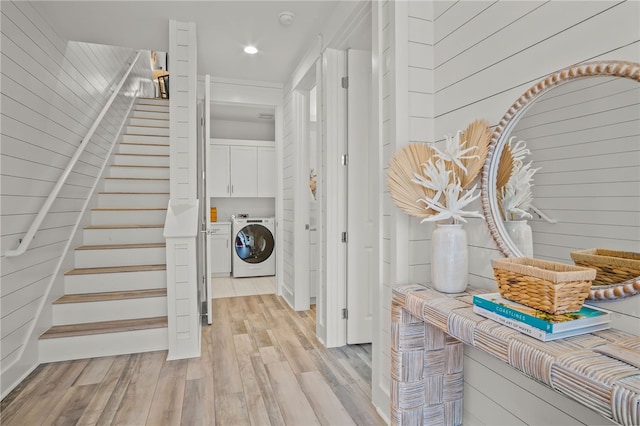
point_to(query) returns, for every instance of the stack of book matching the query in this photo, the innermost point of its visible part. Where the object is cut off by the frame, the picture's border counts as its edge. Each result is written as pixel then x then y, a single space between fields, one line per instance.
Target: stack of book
pixel 539 324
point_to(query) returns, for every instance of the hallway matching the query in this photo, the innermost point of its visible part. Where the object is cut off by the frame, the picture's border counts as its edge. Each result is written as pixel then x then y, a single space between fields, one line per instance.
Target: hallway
pixel 260 365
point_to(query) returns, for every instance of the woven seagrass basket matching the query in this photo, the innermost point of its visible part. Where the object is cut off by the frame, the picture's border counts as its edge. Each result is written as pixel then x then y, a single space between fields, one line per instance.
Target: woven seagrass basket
pixel 612 267
pixel 553 287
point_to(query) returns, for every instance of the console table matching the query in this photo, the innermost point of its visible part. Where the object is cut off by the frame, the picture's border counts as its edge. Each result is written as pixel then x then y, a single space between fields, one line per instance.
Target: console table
pixel 429 329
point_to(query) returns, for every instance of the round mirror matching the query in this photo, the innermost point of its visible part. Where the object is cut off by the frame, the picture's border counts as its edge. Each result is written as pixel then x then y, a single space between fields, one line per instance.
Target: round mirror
pixel 572 141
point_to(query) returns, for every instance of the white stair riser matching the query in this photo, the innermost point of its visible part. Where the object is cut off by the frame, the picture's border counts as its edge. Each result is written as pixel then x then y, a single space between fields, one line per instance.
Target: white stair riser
pixel 140 139
pixel 123 236
pixel 98 345
pixel 120 257
pixel 151 114
pixel 141 160
pixel 145 149
pixel 139 130
pixel 139 172
pixel 120 281
pixel 134 185
pixel 113 310
pixel 117 199
pixel 128 217
pixel 150 122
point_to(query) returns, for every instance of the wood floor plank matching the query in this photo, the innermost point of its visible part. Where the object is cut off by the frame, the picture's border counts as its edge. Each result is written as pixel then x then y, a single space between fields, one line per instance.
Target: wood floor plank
pixel 49 393
pixel 95 371
pixel 358 405
pixel 106 389
pixel 231 409
pixel 256 407
pixel 271 354
pixel 325 403
pixel 226 375
pixel 293 403
pixel 266 390
pixel 293 349
pixel 167 403
pixel 72 405
pixel 24 392
pixel 198 404
pixel 138 397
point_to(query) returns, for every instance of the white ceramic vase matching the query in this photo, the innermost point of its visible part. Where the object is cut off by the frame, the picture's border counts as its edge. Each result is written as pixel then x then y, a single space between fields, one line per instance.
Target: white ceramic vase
pixel 449 258
pixel 520 233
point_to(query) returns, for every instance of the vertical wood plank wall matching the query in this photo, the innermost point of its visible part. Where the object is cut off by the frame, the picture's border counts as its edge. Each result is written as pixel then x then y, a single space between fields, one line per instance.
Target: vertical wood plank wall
pixel 52 91
pixel 486 54
pixel 287 221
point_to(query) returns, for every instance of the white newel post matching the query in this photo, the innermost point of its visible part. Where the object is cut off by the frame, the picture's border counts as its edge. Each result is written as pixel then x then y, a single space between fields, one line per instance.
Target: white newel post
pixel 181 225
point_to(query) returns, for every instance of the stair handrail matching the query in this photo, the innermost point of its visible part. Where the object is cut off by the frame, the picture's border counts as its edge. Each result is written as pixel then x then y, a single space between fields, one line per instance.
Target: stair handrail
pixel 35 225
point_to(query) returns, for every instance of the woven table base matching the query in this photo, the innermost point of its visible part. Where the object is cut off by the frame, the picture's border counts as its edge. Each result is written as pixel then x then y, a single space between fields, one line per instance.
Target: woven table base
pixel 428 333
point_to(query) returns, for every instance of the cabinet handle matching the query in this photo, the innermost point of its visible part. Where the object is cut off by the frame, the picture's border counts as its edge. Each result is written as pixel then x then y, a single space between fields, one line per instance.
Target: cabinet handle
pixel 228 189
pixel 232 189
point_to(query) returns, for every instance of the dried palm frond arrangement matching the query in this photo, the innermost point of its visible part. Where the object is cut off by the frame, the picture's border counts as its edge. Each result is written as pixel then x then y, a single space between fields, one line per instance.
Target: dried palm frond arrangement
pixel 431 184
pixel 514 182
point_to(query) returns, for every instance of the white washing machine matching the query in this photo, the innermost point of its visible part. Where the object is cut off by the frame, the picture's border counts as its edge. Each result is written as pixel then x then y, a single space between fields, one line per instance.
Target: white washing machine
pixel 254 244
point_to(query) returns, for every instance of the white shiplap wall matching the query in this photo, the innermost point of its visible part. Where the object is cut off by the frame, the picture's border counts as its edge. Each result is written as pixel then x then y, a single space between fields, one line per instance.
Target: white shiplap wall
pixel 287 221
pixel 485 55
pixel 52 90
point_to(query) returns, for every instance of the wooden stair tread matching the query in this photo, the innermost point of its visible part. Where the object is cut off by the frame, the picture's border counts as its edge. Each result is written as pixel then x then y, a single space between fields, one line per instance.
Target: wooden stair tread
pixel 127 208
pixel 143 155
pixel 104 327
pixel 132 193
pixel 148 124
pixel 110 296
pixel 116 269
pixel 135 178
pixel 158 225
pixel 144 144
pixel 121 246
pixel 140 165
pixel 145 134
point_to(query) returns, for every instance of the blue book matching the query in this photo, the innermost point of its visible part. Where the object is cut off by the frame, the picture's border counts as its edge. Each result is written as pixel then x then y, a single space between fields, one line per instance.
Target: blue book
pixel 587 316
pixel 536 332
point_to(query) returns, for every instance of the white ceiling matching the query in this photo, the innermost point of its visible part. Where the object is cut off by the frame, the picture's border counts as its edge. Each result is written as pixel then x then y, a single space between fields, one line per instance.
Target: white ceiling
pixel 223 29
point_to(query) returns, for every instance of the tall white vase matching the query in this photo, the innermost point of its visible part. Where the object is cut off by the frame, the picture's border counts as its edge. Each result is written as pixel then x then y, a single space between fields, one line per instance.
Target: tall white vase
pixel 520 233
pixel 449 258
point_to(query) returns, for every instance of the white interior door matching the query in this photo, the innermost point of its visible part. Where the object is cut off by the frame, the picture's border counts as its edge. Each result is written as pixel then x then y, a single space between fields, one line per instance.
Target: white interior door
pixel 207 158
pixel 361 208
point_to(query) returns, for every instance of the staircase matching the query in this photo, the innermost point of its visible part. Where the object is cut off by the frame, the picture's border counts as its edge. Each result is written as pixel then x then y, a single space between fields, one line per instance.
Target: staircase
pixel 115 298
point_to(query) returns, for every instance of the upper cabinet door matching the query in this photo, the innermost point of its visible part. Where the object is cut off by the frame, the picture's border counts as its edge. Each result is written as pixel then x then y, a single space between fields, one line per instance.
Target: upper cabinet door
pixel 244 171
pixel 218 184
pixel 266 171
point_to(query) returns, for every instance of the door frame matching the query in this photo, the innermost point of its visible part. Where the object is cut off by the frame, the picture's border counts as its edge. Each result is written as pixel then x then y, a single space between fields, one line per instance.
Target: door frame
pixel 264 94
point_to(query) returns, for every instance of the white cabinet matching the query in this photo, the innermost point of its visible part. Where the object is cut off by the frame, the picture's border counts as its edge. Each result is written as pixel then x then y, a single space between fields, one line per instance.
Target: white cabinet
pixel 242 171
pixel 220 248
pixel 266 171
pixel 219 184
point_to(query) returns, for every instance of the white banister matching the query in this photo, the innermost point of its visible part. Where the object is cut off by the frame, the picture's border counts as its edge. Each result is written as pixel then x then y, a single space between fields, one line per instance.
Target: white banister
pixel 26 240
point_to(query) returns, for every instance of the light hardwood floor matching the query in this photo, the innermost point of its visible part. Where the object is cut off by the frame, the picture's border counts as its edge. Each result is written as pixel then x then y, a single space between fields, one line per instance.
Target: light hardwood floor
pixel 261 365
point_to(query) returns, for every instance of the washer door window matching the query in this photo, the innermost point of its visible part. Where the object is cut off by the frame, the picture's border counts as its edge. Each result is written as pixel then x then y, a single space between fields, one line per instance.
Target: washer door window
pixel 254 243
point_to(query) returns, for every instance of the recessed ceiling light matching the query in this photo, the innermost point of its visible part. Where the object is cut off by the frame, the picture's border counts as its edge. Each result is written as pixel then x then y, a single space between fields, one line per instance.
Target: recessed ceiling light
pixel 250 50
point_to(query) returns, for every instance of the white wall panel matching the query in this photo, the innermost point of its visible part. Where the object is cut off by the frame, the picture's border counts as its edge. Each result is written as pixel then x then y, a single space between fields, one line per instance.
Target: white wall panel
pixel 52 90
pixel 485 55
pixel 482 69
